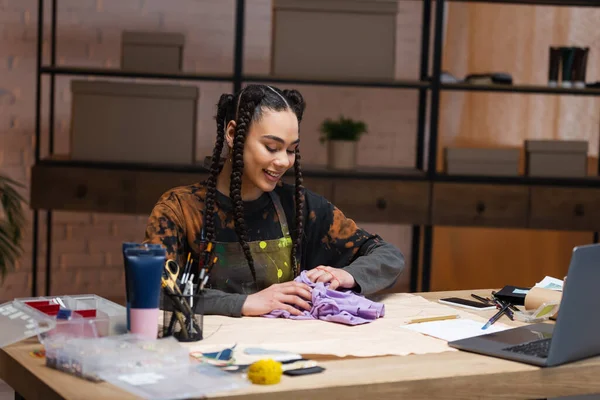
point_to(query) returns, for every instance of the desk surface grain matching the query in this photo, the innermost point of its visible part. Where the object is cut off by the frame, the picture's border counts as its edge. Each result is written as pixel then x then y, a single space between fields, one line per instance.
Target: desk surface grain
pixel 450 375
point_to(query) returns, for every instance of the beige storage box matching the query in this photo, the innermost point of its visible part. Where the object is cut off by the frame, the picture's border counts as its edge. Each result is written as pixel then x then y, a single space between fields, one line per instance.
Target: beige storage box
pixel 482 161
pixel 556 158
pixel 336 39
pixel 133 122
pixel 159 52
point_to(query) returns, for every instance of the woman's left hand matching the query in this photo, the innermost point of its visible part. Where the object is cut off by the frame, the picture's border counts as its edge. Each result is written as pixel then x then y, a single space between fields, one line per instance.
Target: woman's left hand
pixel 337 277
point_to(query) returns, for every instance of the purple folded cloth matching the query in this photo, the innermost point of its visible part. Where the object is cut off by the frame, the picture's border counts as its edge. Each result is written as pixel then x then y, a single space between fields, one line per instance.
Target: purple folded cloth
pixel 341 306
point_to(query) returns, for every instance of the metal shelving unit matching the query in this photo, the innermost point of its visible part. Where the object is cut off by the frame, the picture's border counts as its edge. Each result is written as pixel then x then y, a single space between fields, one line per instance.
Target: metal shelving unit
pixel 237 79
pixel 428 84
pixel 437 87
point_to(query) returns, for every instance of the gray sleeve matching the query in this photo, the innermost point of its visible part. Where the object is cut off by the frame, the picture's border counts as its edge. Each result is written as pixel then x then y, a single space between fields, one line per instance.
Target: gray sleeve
pixel 217 302
pixel 377 269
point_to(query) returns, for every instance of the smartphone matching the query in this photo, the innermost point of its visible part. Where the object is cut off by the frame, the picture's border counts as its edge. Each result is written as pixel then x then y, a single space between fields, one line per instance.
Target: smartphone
pixel 470 304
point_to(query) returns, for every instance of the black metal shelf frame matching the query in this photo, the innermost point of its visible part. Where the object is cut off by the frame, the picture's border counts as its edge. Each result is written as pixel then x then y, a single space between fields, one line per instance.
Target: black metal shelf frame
pixel 552 3
pixel 237 79
pixel 428 84
pixel 438 87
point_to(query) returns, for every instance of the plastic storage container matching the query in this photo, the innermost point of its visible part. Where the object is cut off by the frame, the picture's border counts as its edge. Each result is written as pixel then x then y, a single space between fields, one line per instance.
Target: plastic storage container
pixel 84 315
pixel 87 357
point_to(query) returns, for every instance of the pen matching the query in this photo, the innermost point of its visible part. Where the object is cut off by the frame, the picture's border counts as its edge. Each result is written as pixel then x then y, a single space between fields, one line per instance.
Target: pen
pixel 496 317
pixel 427 319
pixel 186 270
pixel 503 302
pixel 481 299
pixel 208 271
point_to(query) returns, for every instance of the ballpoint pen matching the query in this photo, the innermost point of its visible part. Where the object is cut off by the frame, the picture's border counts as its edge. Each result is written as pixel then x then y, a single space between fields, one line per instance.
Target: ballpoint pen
pixel 502 302
pixel 496 317
pixel 481 299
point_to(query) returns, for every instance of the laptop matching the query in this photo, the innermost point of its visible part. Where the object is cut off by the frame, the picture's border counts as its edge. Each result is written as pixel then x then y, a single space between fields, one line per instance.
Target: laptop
pixel 576 334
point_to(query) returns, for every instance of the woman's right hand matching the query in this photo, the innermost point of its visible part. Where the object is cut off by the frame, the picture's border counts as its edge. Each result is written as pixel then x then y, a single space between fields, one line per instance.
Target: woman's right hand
pixel 280 296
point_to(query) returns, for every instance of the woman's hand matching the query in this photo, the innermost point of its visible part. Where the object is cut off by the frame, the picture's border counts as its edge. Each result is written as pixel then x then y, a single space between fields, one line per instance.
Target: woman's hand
pixel 280 296
pixel 337 277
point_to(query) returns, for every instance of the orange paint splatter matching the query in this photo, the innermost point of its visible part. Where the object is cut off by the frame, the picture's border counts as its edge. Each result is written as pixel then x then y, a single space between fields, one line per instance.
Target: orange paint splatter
pixel 342 227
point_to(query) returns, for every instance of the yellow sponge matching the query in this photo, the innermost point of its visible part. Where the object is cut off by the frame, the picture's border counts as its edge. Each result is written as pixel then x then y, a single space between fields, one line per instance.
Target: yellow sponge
pixel 265 372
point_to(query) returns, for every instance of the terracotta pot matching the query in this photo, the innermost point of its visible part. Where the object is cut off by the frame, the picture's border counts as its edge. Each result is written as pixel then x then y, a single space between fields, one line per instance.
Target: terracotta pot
pixel 341 154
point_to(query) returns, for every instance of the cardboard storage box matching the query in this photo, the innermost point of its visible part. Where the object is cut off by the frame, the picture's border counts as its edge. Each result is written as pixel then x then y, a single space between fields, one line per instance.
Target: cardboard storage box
pixel 334 39
pixel 160 52
pixel 133 122
pixel 482 161
pixel 556 158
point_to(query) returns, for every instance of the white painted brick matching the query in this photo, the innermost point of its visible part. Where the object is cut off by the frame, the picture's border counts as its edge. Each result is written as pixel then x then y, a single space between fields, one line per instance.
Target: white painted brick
pixel 11 157
pixel 257 39
pixel 136 6
pixel 77 5
pixel 71 217
pixel 17 173
pixel 18 5
pixel 117 20
pixel 14 17
pixel 106 245
pixel 100 52
pixel 14 285
pixel 25 263
pixel 129 231
pixel 81 260
pixel 114 258
pixel 105 282
pixel 88 230
pixel 102 217
pixel 73 245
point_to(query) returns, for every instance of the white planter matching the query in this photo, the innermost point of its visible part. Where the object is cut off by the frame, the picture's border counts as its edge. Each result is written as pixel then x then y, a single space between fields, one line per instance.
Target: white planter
pixel 341 154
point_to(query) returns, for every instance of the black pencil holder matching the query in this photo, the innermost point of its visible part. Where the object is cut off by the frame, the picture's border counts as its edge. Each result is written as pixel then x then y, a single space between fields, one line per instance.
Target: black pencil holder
pixel 183 316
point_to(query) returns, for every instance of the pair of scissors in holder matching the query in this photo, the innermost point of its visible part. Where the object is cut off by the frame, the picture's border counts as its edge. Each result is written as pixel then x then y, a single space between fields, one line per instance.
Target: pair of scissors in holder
pixel 169 281
pixel 170 276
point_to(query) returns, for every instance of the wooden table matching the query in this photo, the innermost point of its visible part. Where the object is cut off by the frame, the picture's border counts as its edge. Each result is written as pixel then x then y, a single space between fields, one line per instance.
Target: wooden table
pixel 449 375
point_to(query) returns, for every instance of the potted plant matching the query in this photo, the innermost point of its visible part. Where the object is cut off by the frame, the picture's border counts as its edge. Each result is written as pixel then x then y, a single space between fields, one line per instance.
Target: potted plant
pixel 342 136
pixel 12 222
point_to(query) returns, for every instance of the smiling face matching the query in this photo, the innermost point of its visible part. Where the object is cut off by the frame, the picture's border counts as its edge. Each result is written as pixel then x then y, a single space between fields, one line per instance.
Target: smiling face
pixel 268 151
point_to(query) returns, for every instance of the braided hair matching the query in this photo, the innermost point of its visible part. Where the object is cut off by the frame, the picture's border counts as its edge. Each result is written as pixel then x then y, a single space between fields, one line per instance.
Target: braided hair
pixel 245 107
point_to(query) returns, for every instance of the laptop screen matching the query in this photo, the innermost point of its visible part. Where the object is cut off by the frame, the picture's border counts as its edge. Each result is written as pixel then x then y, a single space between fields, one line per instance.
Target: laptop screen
pixel 516 336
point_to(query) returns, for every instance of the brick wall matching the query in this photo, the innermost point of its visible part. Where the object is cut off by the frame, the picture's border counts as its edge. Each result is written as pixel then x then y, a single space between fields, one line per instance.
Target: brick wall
pixel 86 246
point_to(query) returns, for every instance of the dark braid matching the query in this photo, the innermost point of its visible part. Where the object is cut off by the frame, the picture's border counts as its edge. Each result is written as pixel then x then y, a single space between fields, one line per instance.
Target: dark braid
pixel 246 107
pixel 225 104
pixel 245 115
pixel 297 104
pixel 299 197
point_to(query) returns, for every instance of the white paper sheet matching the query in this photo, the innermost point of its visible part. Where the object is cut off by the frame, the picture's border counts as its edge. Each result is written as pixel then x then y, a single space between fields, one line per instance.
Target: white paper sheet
pixel 454 329
pixel 550 283
pixel 385 336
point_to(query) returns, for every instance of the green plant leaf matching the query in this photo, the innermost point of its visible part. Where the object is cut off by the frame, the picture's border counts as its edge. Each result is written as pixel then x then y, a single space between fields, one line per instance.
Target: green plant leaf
pixel 12 222
pixel 342 129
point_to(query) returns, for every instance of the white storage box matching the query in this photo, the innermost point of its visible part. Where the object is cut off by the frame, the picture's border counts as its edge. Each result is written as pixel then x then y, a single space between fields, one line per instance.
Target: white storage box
pixel 133 122
pixel 160 52
pixel 482 161
pixel 85 315
pixel 334 39
pixel 556 158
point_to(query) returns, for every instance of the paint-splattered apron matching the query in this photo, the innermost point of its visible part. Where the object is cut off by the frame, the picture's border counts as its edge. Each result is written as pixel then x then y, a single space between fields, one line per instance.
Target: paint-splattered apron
pixel 272 261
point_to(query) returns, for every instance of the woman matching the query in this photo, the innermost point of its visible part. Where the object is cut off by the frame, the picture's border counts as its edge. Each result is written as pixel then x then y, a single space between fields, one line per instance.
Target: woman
pixel 264 232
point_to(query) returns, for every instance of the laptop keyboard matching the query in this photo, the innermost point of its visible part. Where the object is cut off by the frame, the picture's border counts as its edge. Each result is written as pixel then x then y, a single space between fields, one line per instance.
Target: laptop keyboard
pixel 538 348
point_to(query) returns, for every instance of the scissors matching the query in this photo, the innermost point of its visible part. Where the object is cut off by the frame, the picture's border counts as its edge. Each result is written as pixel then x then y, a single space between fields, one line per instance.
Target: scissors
pixel 169 280
pixel 170 276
